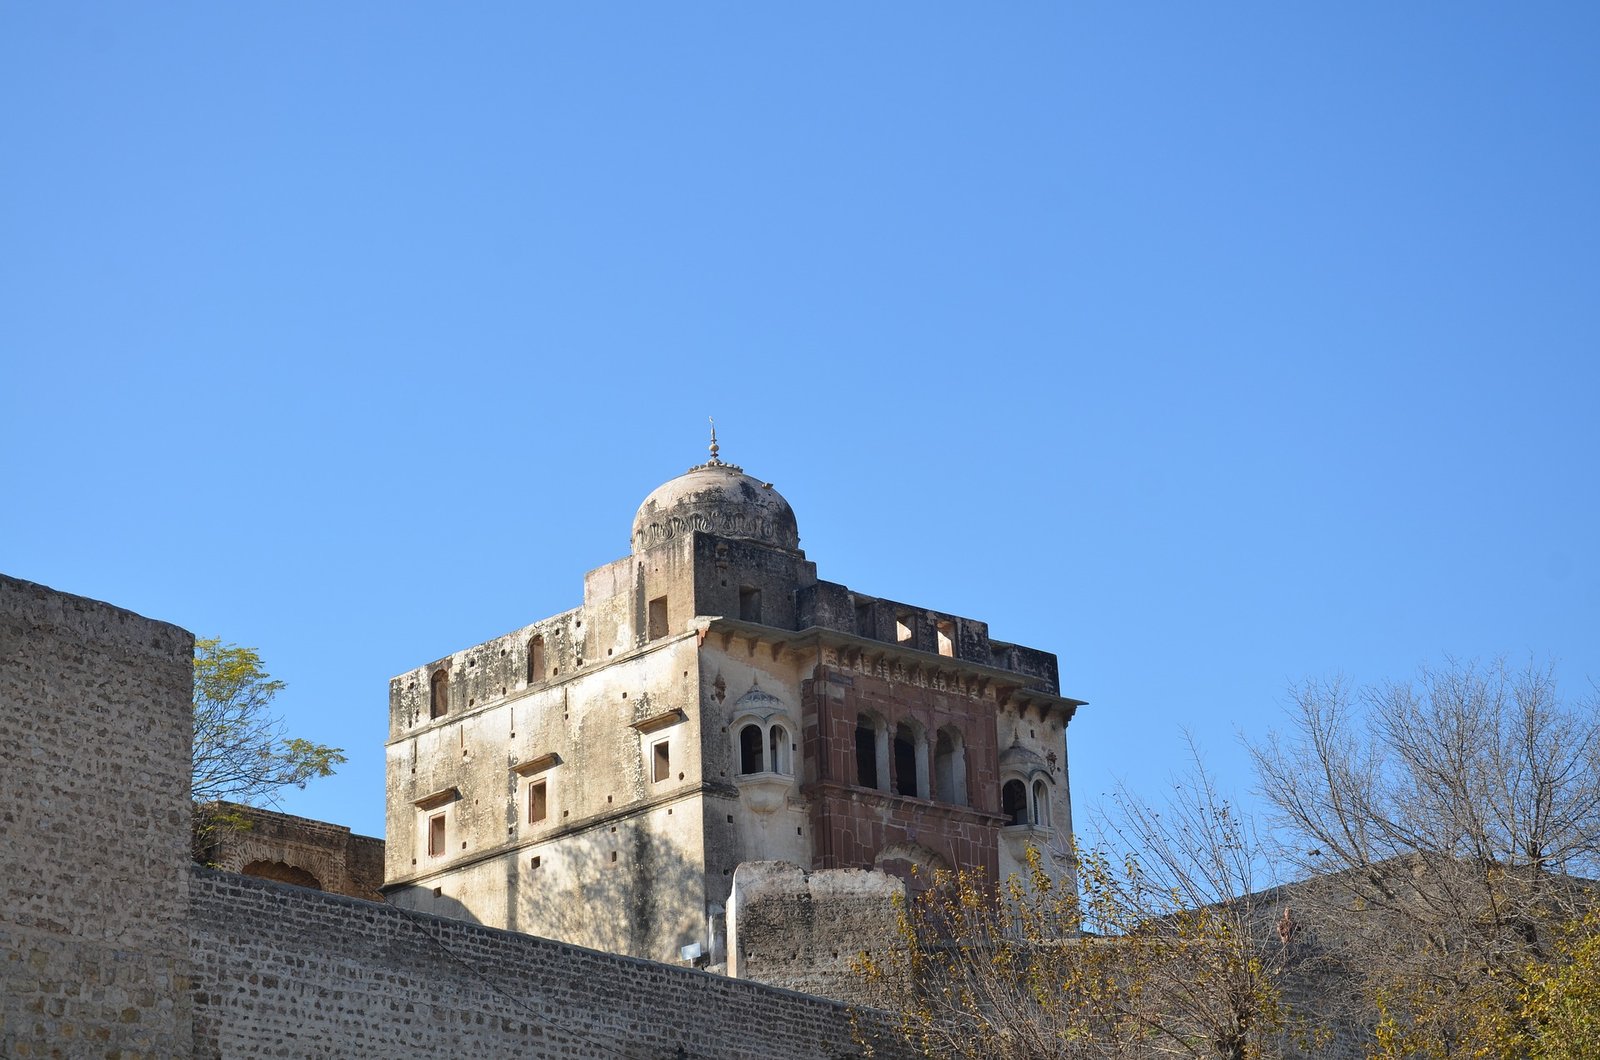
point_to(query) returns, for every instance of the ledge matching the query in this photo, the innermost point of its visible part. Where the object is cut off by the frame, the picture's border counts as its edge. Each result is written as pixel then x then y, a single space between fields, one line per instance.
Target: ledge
pixel 438 798
pixel 657 722
pixel 536 765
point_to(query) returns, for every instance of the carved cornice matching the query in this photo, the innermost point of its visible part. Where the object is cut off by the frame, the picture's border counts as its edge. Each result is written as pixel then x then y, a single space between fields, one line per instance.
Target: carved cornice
pixel 893 662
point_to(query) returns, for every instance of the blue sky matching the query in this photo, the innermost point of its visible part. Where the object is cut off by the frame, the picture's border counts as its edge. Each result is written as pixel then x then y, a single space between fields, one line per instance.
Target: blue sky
pixel 1212 347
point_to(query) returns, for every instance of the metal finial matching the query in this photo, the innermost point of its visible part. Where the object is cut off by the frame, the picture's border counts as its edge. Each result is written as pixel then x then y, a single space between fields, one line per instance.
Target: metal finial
pixel 715 460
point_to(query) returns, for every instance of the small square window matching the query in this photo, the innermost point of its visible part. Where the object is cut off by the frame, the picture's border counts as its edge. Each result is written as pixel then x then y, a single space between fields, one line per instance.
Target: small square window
pixel 661 759
pixel 866 621
pixel 436 835
pixel 534 863
pixel 749 604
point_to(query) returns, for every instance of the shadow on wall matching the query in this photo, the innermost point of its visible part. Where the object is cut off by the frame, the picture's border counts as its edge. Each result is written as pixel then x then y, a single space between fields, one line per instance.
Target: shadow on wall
pixel 636 895
pixel 277 870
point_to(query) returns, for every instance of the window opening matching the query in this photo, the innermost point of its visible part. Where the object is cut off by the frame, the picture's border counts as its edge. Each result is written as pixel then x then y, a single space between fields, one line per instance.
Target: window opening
pixel 947 638
pixel 905 760
pixel 866 752
pixel 536 659
pixel 436 835
pixel 439 694
pixel 1014 801
pixel 750 749
pixel 750 604
pixel 1041 804
pixel 902 629
pixel 538 802
pixel 658 618
pixel 865 626
pixel 662 758
pixel 950 767
pixel 778 740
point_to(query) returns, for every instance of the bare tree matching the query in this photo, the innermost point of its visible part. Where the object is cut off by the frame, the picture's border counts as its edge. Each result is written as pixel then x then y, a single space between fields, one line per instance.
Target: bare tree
pixel 1176 959
pixel 1451 822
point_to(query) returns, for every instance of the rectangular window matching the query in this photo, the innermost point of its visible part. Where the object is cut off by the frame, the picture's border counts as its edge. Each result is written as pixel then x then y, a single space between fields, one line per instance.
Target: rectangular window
pixel 436 835
pixel 947 638
pixel 661 762
pixel 658 618
pixel 866 623
pixel 902 628
pixel 750 604
pixel 538 804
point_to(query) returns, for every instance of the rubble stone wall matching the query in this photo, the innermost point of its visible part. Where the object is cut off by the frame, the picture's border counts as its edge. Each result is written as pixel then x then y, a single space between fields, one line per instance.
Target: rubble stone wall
pixel 283 970
pixel 95 722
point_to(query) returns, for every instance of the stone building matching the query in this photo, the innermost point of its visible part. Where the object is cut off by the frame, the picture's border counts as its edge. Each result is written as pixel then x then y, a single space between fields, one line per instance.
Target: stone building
pixel 597 776
pixel 113 944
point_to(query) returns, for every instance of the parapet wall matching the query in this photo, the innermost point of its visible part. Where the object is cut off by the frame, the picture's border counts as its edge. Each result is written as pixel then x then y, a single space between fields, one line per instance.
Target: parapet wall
pixel 95 721
pixel 281 970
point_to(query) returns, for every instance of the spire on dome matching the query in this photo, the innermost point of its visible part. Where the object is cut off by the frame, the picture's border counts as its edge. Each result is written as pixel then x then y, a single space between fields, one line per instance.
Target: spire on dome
pixel 714 445
pixel 715 461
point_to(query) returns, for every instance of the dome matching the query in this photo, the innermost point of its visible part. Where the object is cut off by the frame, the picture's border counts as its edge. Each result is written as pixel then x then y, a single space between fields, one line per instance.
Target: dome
pixel 719 499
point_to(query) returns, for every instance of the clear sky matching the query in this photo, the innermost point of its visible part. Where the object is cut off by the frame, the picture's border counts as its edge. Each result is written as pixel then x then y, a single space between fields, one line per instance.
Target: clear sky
pixel 1209 346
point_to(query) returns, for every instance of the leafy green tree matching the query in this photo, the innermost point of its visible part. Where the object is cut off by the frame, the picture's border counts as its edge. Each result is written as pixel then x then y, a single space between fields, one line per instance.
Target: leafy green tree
pixel 241 750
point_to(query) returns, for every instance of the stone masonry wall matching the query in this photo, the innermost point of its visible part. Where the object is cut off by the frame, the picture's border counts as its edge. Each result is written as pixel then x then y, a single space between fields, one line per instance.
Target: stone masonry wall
pixel 281 846
pixel 95 722
pixel 804 930
pixel 285 971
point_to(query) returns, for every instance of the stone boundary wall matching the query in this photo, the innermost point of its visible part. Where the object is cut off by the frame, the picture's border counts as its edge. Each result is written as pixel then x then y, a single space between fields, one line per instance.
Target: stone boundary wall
pixel 804 930
pixel 95 721
pixel 285 971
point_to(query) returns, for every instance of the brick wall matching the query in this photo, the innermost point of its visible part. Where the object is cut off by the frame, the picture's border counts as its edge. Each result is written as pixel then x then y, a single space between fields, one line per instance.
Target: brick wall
pixel 284 971
pixel 95 721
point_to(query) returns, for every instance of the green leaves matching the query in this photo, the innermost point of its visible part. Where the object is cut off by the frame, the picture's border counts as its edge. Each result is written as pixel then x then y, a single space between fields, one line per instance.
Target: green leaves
pixel 241 751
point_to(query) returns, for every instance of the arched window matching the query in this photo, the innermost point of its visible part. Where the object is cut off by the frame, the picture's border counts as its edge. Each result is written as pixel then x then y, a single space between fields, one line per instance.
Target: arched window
pixel 536 670
pixel 778 739
pixel 1041 804
pixel 750 749
pixel 905 760
pixel 950 767
pixel 1014 802
pixel 439 694
pixel 868 772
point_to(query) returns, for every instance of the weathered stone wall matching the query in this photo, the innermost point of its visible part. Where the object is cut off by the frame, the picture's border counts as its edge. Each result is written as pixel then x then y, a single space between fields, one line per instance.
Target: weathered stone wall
pixel 280 846
pixel 285 971
pixel 616 861
pixel 804 930
pixel 95 723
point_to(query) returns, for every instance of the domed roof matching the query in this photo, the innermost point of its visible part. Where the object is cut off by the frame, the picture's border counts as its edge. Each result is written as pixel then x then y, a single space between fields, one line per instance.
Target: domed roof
pixel 719 499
